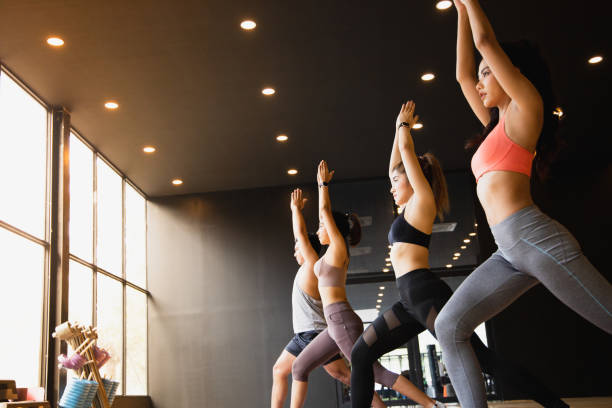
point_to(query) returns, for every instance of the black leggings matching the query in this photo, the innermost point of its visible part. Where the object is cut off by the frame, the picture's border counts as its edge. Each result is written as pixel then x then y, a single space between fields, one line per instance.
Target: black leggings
pixel 423 294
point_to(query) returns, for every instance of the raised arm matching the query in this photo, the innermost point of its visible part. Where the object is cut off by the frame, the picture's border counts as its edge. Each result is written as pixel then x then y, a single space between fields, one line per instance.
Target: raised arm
pixel 416 178
pixel 336 253
pixel 299 226
pixel 522 92
pixel 466 66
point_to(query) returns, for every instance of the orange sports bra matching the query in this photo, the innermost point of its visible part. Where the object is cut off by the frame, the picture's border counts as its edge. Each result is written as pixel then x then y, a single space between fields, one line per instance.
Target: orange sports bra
pixel 330 275
pixel 498 152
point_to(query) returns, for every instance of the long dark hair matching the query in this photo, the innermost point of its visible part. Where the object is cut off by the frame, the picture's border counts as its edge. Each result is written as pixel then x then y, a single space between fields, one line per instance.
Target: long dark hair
pixel 527 58
pixel 349 226
pixel 432 170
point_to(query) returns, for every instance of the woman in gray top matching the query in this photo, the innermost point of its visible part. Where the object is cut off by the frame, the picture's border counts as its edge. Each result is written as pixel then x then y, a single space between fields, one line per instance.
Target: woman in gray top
pixel 307 310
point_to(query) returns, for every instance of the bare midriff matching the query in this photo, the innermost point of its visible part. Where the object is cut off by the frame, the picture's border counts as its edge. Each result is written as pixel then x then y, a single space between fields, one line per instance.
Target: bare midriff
pixel 407 257
pixel 332 294
pixel 502 193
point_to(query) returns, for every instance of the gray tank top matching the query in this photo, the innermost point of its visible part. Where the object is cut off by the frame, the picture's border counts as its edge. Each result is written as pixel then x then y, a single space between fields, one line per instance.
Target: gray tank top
pixel 307 311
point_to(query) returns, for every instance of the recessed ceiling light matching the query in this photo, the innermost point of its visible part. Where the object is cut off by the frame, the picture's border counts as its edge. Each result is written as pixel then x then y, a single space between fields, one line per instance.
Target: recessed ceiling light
pixel 292 172
pixel 457 254
pixel 417 125
pixel 558 112
pixel 378 306
pixel 455 258
pixel 385 269
pixel 387 259
pixel 475 225
pixel 55 41
pixel 282 138
pixel 149 149
pixel 268 91
pixel 177 182
pixel 467 241
pixel 388 264
pixel 428 76
pixel 449 265
pixel 248 25
pixel 111 105
pixel 380 294
pixel 444 4
pixel 472 234
pixel 390 246
pixel 379 301
pixel 596 59
pixel 381 287
pixel 463 247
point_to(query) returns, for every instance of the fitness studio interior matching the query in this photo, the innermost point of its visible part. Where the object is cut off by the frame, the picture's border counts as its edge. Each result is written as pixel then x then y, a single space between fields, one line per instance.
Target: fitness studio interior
pixel 168 172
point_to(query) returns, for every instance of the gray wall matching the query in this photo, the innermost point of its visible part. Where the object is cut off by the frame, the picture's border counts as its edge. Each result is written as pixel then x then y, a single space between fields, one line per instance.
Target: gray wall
pixel 220 274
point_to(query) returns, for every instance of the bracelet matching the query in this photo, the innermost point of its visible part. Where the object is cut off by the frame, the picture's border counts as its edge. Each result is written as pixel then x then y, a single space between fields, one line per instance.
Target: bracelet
pixel 404 124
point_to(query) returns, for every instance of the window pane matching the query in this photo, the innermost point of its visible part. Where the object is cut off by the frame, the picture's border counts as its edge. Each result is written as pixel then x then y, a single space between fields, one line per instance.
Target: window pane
pixel 23 158
pixel 21 300
pixel 80 302
pixel 136 346
pixel 109 218
pixel 81 199
pixel 110 326
pixel 135 237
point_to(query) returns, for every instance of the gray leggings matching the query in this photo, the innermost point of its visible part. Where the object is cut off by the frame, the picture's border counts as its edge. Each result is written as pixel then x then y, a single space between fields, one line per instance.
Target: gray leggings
pixel 343 329
pixel 532 249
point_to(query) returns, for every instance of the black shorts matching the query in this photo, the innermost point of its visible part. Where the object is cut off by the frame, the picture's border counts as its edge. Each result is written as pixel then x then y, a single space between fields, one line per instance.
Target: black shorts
pixel 301 340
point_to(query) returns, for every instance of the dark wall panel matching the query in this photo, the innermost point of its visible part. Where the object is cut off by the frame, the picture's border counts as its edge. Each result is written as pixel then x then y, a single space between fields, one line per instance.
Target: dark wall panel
pixel 220 274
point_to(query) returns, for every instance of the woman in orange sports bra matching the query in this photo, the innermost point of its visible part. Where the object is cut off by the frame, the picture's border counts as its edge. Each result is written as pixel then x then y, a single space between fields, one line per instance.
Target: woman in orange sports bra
pixel 343 325
pixel 512 99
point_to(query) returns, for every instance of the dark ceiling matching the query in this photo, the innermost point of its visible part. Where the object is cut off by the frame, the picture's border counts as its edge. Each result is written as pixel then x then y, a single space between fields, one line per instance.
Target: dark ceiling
pixel 188 80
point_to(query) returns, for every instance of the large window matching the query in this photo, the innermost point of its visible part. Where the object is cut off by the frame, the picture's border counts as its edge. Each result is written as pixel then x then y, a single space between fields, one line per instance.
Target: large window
pixel 24 243
pixel 108 263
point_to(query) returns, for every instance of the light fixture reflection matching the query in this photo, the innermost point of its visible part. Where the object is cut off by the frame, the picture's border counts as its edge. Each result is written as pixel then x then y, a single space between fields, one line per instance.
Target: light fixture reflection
pixel 596 59
pixel 444 4
pixel 248 25
pixel 55 41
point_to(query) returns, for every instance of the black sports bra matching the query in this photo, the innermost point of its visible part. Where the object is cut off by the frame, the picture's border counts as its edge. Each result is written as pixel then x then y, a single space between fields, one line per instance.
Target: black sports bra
pixel 402 231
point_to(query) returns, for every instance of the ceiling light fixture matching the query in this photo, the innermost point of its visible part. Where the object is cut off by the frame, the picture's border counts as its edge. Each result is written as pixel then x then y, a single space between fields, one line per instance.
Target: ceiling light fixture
pixel 268 91
pixel 475 225
pixel 467 241
pixel 282 138
pixel 472 234
pixel 417 126
pixel 385 269
pixel 596 59
pixel 149 149
pixel 380 294
pixel 292 172
pixel 111 105
pixel 381 287
pixel 449 265
pixel 388 264
pixel 455 258
pixel 444 4
pixel 463 247
pixel 248 25
pixel 428 76
pixel 177 182
pixel 379 301
pixel 55 41
pixel 558 112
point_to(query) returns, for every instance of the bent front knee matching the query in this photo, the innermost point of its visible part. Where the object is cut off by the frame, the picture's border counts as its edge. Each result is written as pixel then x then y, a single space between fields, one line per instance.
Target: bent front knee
pixel 299 372
pixel 448 330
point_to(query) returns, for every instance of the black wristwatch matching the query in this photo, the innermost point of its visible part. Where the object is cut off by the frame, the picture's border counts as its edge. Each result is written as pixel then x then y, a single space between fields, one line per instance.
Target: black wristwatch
pixel 404 124
pixel 324 184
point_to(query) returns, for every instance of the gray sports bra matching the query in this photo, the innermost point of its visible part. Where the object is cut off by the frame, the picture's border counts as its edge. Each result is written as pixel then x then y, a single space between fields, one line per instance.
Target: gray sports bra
pixel 329 275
